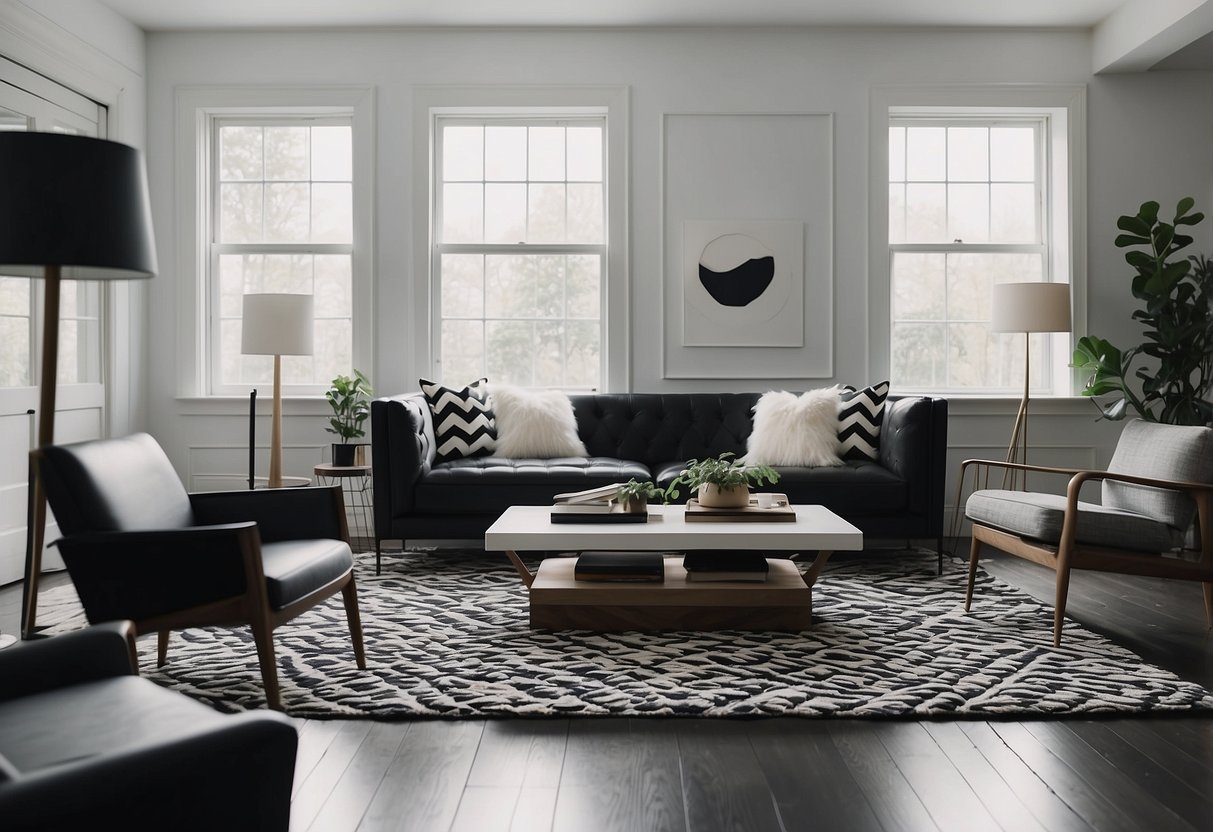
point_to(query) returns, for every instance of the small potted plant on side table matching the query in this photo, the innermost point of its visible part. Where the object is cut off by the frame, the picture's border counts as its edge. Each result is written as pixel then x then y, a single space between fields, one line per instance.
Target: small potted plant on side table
pixel 722 482
pixel 350 399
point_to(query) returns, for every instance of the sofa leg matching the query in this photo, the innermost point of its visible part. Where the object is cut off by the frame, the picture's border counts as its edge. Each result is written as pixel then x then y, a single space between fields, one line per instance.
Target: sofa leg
pixel 378 554
pixel 939 550
pixel 162 648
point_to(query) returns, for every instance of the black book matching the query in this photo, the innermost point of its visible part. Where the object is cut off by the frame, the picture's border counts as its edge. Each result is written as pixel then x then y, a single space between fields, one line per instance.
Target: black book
pixel 620 566
pixel 725 566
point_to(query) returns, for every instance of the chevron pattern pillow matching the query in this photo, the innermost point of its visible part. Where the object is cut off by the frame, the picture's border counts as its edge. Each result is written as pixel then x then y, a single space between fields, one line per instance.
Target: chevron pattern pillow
pixel 859 415
pixel 463 420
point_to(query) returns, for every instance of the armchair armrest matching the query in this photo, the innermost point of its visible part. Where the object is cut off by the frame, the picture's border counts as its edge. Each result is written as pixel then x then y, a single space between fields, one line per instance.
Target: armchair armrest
pixel 143 574
pixel 1017 466
pixel 236 775
pixel 98 652
pixel 280 513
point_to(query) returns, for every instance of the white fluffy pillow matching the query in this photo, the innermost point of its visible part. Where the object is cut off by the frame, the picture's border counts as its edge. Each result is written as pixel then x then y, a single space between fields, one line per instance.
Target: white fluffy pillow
pixel 796 430
pixel 534 423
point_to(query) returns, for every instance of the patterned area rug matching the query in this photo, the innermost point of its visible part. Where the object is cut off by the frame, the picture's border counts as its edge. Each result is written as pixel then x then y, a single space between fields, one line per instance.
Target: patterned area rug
pixel 447 636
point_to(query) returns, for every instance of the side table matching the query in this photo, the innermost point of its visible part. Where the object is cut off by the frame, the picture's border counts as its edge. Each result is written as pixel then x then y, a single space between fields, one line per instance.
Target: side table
pixel 355 481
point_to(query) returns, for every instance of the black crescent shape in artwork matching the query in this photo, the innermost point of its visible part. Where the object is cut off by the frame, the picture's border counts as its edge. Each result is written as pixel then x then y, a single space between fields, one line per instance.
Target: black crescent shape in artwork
pixel 740 286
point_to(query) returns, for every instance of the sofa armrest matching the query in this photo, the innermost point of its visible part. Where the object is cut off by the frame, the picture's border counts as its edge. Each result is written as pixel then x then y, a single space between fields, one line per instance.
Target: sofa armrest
pixel 98 652
pixel 913 445
pixel 280 513
pixel 234 776
pixel 402 450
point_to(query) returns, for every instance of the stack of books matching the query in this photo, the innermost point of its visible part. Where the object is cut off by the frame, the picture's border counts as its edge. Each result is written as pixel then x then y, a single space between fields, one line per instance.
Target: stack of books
pixel 620 566
pixel 594 505
pixel 725 566
pixel 780 512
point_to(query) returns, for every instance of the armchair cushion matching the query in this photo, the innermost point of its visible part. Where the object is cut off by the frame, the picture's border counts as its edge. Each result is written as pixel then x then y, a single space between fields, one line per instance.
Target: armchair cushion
pixel 1040 517
pixel 1167 452
pixel 294 568
pixel 90 720
pixel 123 484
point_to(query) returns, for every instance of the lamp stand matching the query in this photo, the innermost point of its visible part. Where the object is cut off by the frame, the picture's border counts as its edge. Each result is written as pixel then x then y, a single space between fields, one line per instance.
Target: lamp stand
pixel 275 480
pixel 1017 450
pixel 35 532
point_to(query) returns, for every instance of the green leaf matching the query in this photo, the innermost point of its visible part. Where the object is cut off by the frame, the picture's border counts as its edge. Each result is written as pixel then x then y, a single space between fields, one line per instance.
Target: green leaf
pixel 1184 206
pixel 1134 225
pixel 1148 213
pixel 1123 240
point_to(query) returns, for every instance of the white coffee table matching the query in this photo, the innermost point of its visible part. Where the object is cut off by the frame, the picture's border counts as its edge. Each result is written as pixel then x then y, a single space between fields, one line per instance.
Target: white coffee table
pixel 558 601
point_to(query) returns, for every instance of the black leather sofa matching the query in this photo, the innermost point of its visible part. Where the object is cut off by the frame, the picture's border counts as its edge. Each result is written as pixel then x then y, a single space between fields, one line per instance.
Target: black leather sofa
pixel 87 744
pixel 649 436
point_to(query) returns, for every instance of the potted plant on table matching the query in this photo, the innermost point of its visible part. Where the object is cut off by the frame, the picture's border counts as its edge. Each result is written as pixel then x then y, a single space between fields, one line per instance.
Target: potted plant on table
pixel 350 399
pixel 722 482
pixel 634 495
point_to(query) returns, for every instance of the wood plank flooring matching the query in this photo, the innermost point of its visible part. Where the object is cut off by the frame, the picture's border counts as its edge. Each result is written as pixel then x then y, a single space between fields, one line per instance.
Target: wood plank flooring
pixel 586 775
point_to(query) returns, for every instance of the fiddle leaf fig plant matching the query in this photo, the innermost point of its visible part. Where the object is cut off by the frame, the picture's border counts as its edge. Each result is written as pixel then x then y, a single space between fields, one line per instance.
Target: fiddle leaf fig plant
pixel 1176 296
pixel 350 399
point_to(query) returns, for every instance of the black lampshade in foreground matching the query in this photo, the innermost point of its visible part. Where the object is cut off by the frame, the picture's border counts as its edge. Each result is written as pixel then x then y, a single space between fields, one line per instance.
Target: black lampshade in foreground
pixel 71 208
pixel 74 202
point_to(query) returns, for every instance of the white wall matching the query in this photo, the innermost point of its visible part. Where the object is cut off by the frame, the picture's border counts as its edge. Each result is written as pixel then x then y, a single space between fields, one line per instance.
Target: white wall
pixel 1149 138
pixel 86 47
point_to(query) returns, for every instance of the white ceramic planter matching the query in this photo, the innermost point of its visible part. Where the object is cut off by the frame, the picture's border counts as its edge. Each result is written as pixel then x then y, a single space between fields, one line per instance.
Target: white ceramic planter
pixel 713 496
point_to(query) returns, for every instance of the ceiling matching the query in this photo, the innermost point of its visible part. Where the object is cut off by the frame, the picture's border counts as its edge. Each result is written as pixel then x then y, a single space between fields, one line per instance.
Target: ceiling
pixel 155 15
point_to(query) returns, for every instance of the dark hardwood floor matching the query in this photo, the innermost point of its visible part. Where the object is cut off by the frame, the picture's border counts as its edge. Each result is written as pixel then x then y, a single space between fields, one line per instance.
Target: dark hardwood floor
pixel 788 774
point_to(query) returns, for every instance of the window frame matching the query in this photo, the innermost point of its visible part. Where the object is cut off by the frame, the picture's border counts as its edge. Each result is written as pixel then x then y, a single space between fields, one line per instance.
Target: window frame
pixel 1062 211
pixel 214 381
pixel 197 110
pixel 432 103
pixel 439 248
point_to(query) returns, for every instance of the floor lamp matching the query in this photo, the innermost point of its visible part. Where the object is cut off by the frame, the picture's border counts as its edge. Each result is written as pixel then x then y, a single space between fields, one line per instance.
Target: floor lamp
pixel 71 208
pixel 1027 308
pixel 277 325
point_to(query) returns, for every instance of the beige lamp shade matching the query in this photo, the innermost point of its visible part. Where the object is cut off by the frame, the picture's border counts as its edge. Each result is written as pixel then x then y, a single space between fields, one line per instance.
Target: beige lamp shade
pixel 1031 307
pixel 277 324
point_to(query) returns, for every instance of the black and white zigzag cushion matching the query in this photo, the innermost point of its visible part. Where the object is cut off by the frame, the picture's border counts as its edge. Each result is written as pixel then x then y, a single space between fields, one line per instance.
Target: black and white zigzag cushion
pixel 463 420
pixel 859 415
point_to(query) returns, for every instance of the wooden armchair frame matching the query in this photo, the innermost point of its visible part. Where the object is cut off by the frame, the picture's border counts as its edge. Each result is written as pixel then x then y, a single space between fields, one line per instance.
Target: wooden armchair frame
pixel 1068 554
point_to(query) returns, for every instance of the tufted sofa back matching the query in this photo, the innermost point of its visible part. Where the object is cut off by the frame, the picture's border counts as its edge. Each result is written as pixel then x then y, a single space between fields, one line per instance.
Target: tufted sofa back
pixel 656 428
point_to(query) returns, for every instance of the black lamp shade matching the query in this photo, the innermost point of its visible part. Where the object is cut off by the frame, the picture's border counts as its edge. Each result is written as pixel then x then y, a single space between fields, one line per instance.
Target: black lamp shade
pixel 75 202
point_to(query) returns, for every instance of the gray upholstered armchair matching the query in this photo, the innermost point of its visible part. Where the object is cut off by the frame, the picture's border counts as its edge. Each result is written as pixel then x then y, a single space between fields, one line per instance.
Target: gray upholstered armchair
pixel 138 547
pixel 1160 476
pixel 86 744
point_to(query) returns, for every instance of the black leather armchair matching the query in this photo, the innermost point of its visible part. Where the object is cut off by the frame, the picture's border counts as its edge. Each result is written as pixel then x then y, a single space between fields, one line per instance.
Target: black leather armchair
pixel 139 547
pixel 86 744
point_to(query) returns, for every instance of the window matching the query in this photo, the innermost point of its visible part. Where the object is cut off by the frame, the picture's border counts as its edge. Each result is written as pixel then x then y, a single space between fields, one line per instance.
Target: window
pixel 976 195
pixel 283 222
pixel 965 212
pixel 274 196
pixel 520 254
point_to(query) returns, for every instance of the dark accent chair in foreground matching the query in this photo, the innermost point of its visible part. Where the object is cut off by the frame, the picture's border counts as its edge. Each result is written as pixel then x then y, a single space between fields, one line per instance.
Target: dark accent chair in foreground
pixel 86 744
pixel 1159 476
pixel 139 547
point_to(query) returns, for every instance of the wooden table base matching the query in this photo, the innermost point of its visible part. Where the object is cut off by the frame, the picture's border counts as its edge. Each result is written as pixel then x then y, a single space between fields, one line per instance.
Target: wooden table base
pixel 560 602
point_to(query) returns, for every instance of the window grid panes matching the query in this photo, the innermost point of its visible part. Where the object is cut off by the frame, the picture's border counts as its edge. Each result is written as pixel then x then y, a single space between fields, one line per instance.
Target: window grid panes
pixel 283 222
pixel 966 201
pixel 520 252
